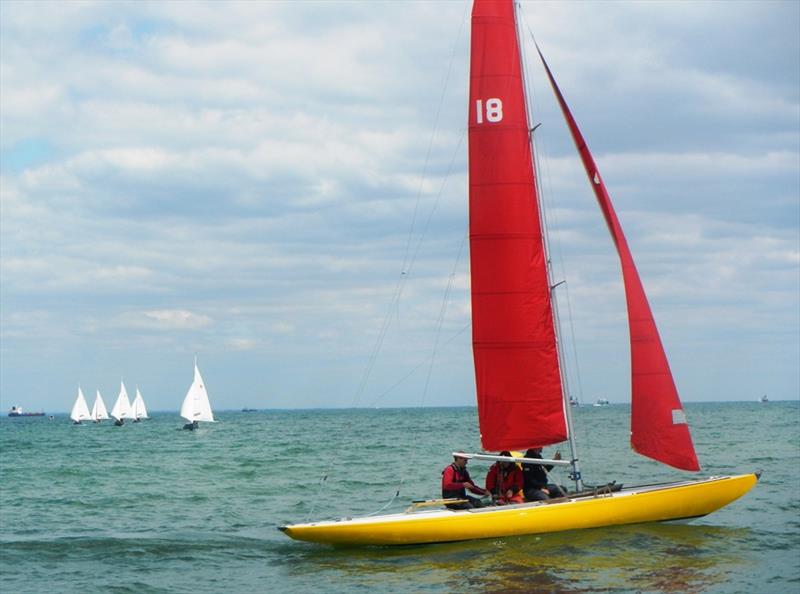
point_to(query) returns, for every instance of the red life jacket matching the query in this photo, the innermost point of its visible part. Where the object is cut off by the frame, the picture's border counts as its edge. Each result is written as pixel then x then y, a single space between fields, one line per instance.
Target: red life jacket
pixel 453 479
pixel 500 480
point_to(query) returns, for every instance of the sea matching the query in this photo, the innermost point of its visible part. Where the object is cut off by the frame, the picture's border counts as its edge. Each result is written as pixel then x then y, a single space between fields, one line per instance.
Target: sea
pixel 149 507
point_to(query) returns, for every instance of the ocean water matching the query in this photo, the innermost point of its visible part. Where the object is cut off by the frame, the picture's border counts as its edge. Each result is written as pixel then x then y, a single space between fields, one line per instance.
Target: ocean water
pixel 150 508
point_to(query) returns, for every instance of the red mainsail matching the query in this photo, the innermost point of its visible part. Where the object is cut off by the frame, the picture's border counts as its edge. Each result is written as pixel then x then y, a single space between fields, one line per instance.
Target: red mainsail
pixel 520 402
pixel 658 422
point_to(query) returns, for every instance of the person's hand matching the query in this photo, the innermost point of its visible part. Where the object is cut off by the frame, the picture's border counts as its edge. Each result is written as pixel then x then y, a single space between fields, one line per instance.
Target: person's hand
pixel 557 456
pixel 546 491
pixel 509 494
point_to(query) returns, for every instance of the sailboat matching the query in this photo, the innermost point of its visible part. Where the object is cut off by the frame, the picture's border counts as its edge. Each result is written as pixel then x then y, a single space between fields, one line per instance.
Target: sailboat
pixel 196 407
pixel 122 407
pixel 80 411
pixel 521 390
pixel 138 409
pixel 99 412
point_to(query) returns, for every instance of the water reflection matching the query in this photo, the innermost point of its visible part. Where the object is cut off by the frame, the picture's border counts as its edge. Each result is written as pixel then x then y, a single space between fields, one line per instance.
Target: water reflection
pixel 643 558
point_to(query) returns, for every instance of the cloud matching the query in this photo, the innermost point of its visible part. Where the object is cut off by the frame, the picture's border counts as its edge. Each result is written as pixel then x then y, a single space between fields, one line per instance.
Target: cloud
pixel 242 178
pixel 242 344
pixel 177 319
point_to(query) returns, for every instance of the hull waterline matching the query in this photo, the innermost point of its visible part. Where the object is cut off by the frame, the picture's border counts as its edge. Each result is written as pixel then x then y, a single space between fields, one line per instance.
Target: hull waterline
pixel 651 503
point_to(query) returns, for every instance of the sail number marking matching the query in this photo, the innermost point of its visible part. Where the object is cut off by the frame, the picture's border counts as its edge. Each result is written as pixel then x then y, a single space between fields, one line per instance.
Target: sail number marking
pixel 491 111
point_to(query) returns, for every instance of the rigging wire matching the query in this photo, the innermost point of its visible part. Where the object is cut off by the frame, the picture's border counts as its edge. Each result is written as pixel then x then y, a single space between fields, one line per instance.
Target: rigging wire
pixel 552 223
pixel 442 311
pixel 380 396
pixel 433 137
pixel 439 324
pixel 445 298
pixel 407 265
pixel 395 496
pixel 551 214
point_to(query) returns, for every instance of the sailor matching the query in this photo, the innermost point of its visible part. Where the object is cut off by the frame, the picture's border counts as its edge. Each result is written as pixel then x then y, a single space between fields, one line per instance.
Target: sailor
pixel 504 482
pixel 456 481
pixel 537 487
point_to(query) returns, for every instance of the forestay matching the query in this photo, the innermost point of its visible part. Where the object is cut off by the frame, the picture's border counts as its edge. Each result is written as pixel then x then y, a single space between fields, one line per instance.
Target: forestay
pixel 658 423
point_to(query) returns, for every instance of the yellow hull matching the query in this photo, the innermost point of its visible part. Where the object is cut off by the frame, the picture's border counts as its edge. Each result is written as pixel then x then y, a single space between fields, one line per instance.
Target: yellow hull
pixel 653 503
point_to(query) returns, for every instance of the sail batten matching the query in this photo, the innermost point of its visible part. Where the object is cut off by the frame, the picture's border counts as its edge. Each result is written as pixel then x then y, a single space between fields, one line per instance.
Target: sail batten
pixel 517 373
pixel 654 396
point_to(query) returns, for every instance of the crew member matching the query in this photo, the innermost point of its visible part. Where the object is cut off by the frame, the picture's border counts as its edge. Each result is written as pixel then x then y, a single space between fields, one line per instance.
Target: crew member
pixel 456 481
pixel 537 487
pixel 504 482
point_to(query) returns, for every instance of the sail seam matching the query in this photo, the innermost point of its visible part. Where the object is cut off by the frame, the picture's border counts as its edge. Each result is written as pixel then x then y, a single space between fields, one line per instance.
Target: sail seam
pixel 510 345
pixel 503 236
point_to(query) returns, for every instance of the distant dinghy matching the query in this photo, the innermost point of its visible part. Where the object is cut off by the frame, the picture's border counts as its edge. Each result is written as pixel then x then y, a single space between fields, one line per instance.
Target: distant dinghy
pixel 196 407
pixel 138 409
pixel 122 407
pixel 80 410
pixel 99 412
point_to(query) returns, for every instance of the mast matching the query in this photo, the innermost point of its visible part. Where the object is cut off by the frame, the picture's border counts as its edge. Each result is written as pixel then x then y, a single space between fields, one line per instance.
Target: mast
pixel 575 475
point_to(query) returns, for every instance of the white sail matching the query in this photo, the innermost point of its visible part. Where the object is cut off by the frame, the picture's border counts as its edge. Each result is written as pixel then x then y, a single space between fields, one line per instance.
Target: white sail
pixel 99 411
pixel 122 407
pixel 138 409
pixel 196 406
pixel 80 411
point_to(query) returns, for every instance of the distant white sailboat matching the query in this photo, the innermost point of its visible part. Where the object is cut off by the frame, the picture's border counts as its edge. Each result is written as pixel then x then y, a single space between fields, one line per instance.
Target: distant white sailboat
pixel 80 411
pixel 138 409
pixel 122 407
pixel 99 412
pixel 196 407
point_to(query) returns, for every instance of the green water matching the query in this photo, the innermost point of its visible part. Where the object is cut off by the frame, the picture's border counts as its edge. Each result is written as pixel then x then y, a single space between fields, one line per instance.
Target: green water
pixel 150 508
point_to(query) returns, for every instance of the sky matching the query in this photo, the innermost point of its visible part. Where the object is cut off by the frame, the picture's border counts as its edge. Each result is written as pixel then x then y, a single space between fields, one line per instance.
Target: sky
pixel 279 189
